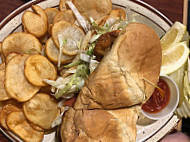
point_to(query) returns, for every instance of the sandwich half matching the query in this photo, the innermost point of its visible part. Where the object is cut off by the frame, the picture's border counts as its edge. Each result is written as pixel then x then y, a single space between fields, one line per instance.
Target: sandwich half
pixel 123 77
pixel 100 125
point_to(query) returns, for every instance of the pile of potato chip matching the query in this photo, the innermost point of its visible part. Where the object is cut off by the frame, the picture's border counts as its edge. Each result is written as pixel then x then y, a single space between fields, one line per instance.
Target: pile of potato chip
pixel 31 56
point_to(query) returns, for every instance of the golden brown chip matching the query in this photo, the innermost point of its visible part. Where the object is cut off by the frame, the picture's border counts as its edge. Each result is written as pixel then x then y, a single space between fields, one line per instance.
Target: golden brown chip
pixel 52 53
pixel 93 8
pixel 1 53
pixel 62 5
pixel 9 57
pixel 17 123
pixel 5 111
pixel 35 22
pixel 50 12
pixel 120 13
pixel 41 110
pixel 16 83
pixel 44 38
pixel 37 128
pixel 70 33
pixel 37 68
pixel 3 93
pixel 21 43
pixel 66 15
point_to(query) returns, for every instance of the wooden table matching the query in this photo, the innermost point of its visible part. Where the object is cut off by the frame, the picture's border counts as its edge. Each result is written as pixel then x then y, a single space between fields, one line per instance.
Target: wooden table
pixel 175 10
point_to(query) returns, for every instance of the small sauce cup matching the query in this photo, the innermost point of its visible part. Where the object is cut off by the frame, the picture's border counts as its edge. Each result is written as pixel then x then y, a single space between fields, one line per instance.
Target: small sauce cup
pixel 173 102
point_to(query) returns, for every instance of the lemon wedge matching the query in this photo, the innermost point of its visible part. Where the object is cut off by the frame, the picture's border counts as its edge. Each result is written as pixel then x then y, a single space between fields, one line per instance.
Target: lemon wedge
pixel 173 36
pixel 178 77
pixel 174 58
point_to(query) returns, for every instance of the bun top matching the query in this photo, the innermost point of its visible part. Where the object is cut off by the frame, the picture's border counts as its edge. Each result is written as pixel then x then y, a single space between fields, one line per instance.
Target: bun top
pixel 139 53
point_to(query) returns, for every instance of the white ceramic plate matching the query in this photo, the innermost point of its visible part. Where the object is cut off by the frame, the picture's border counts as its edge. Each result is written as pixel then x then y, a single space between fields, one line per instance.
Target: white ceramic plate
pixel 147 130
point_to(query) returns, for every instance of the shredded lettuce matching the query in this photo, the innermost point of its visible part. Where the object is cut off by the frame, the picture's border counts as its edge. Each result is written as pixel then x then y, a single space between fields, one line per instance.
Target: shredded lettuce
pixel 91 49
pixel 78 62
pixel 60 83
pixel 95 37
pixel 71 71
pixel 97 28
pixel 110 25
pixel 85 57
pixel 76 81
pixel 62 43
pixel 79 17
pixel 92 65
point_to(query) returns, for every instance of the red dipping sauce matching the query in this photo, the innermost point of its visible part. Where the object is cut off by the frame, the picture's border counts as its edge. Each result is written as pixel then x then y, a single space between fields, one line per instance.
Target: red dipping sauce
pixel 156 102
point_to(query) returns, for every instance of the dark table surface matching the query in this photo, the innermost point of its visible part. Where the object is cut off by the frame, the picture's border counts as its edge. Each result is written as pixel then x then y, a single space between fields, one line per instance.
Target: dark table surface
pixel 173 9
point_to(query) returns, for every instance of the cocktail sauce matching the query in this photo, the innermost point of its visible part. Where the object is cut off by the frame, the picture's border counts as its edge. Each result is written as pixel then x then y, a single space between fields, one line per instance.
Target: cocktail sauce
pixel 157 102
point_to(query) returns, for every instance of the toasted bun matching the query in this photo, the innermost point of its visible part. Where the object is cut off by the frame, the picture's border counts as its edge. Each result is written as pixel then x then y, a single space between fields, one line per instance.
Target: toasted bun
pixel 119 80
pixel 100 125
pixel 141 58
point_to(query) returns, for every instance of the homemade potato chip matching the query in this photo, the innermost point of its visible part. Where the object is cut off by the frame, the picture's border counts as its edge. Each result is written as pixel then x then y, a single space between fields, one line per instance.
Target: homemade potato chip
pixel 120 13
pixel 35 22
pixel 16 83
pixel 67 37
pixel 9 57
pixel 41 110
pixel 52 53
pixel 37 128
pixel 3 93
pixel 44 38
pixel 62 5
pixel 50 12
pixel 21 43
pixel 93 8
pixel 37 68
pixel 66 15
pixel 1 53
pixel 17 123
pixel 5 111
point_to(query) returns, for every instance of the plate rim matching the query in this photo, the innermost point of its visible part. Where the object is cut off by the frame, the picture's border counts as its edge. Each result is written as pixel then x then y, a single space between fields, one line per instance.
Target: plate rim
pixel 33 2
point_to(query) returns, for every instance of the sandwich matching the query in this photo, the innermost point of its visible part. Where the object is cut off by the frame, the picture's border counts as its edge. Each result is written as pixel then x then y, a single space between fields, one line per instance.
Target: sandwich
pixel 107 107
